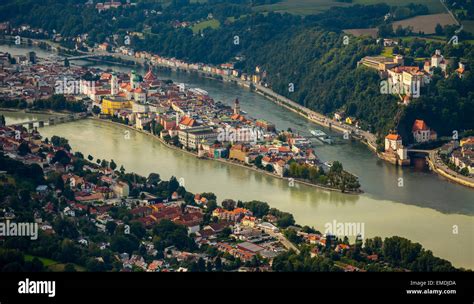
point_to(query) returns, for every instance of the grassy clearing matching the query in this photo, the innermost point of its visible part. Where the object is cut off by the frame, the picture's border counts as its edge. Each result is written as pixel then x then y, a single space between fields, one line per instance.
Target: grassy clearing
pixel 301 7
pixel 429 38
pixel 308 7
pixel 434 6
pixel 46 262
pixel 387 52
pixel 212 23
pixel 60 268
pixel 468 25
pixel 53 265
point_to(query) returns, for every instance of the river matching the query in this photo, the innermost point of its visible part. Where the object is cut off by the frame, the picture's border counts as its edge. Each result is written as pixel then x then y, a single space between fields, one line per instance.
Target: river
pixel 424 209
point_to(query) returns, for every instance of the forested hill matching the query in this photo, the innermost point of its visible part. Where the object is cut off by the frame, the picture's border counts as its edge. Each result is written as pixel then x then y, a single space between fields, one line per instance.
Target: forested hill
pixel 306 51
pixel 325 76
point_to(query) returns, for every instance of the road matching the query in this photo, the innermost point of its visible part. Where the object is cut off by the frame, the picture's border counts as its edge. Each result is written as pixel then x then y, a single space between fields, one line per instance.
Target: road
pixel 288 245
pixel 439 164
pixel 323 120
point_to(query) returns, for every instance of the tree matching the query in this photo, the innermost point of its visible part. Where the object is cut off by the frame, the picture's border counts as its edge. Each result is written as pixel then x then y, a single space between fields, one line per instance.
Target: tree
pixel 59 183
pixel 69 268
pixel 169 233
pixel 90 157
pixel 292 236
pixel 226 232
pixel 61 157
pixel 228 204
pixel 65 228
pixel 110 226
pixel 124 243
pixel 201 265
pixel 138 230
pixel 104 163
pixel 286 220
pixel 439 30
pixel 93 265
pixel 35 265
pixel 25 196
pixel 173 184
pixel 153 178
pixel 13 267
pixel 23 149
pixel 113 165
pixel 385 30
pixel 336 167
pixel 209 196
pixel 259 209
pixel 60 142
pixel 96 110
pixel 218 264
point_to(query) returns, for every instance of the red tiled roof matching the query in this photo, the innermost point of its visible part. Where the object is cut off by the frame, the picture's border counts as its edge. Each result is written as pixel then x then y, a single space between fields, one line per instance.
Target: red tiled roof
pixel 393 137
pixel 187 121
pixel 150 76
pixel 419 125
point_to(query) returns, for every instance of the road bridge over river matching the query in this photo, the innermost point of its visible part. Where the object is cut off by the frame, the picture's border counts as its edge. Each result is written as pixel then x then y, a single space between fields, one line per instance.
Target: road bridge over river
pixel 49 121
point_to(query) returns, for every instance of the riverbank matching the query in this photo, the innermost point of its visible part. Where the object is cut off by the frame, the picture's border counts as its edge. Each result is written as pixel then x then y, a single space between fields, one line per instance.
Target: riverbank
pixel 437 166
pixel 228 162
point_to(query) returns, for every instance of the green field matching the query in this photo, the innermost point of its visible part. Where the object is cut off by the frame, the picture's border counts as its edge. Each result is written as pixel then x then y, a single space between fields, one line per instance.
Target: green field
pixel 308 7
pixel 387 52
pixel 53 265
pixel 434 6
pixel 468 25
pixel 46 262
pixel 301 7
pixel 212 23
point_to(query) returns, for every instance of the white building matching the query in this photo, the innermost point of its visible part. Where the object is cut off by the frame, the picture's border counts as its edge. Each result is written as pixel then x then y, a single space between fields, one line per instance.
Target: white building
pixel 421 132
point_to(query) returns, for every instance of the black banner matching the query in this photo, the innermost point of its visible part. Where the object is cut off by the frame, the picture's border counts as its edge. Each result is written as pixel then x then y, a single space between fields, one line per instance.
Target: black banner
pixel 368 287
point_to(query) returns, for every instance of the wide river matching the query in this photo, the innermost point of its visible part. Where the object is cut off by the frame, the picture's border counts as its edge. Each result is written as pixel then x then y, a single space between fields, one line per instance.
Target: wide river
pixel 426 208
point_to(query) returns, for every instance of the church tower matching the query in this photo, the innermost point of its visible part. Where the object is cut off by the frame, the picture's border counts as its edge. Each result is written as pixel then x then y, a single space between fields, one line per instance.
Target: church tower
pixel 236 106
pixel 134 80
pixel 113 85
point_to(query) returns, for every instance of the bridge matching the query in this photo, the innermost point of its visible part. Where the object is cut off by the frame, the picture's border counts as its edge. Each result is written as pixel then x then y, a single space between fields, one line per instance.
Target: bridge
pixel 50 121
pixel 419 151
pixel 79 57
pixel 84 56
